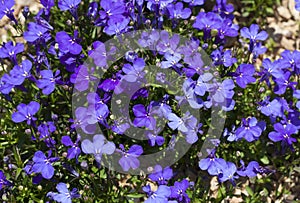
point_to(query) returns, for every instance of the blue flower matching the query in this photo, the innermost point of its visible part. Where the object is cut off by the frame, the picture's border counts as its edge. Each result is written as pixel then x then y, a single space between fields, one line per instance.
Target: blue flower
pixel 228 173
pixel 26 112
pixel 3 181
pixel 143 117
pixel 244 75
pixel 134 72
pixel 36 33
pixel 161 176
pixel 43 164
pixel 116 27
pixel 297 5
pixel 6 9
pixel 212 164
pixel 254 35
pixel 74 151
pixel 64 195
pixel 48 80
pixel 98 147
pixel 178 12
pixel 9 50
pixel 45 130
pixel 161 195
pixel 20 72
pixel 250 129
pixel 178 191
pixel 283 133
pixel 69 5
pixel 130 158
pixel 154 138
pixel 67 43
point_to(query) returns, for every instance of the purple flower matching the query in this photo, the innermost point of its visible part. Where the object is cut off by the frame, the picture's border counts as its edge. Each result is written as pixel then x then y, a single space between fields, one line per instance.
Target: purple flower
pixel 36 33
pixel 161 176
pixel 64 195
pixel 254 35
pixel 222 91
pixel 178 12
pixel 98 147
pixel 273 108
pixel 48 4
pixel 228 172
pixel 68 44
pixel 154 138
pixel 212 164
pixel 291 59
pixel 9 50
pixel 3 181
pixel 244 75
pixel 6 9
pixel 45 130
pixel 84 119
pixel 69 5
pixel 250 129
pixel 134 72
pixel 251 170
pixel 223 58
pixel 26 112
pixel 74 151
pixel 111 10
pixel 20 72
pixel 194 2
pixel 82 77
pixel 283 133
pixel 178 191
pixel 207 22
pixel 181 124
pixel 161 195
pixel 116 27
pixel 130 158
pixel 284 82
pixel 43 164
pixel 48 80
pixel 222 6
pixel 143 118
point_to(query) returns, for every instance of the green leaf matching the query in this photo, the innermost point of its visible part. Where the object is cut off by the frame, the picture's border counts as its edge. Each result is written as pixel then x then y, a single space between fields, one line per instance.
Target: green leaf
pixel 249 190
pixel 265 160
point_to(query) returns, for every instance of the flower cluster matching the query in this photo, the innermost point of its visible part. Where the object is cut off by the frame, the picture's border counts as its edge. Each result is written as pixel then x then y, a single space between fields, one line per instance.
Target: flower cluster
pixel 68 55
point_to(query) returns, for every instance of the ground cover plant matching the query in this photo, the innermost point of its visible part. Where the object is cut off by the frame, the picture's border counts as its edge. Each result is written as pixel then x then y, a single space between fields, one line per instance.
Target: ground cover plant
pixel 146 101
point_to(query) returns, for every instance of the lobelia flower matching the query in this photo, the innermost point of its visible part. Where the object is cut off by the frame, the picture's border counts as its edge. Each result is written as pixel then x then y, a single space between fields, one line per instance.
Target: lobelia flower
pixel 93 10
pixel 254 35
pixel 130 157
pixel 193 129
pixel 161 195
pixel 222 91
pixel 168 44
pixel 291 59
pixel 273 108
pixel 231 134
pixel 178 123
pixel 283 133
pixel 82 77
pixel 83 119
pixel 45 130
pixel 155 5
pixel 20 72
pixel 134 72
pixel 74 151
pixel 178 12
pixel 227 29
pixel 6 9
pixel 284 82
pixel 221 57
pixel 271 69
pixel 143 117
pixel 250 129
pixel 98 147
pixel 3 181
pixel 43 164
pixel 250 171
pixel 48 80
pixel 9 50
pixel 116 27
pixel 120 125
pixel 222 6
pixel 160 175
pixel 154 138
pixel 178 191
pixel 6 84
pixel 48 4
pixel 194 2
pixel 189 95
pixel 244 75
pixel 68 44
pixel 64 195
pixel 207 22
pixel 228 172
pixel 69 5
pixel 26 112
pixel 36 33
pixel 111 10
pixel 212 164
